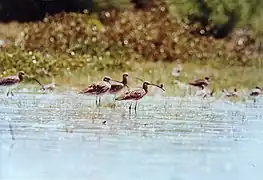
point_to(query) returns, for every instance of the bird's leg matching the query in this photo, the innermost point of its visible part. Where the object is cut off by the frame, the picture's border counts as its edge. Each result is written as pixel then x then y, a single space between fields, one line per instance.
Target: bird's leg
pixel 12 93
pixel 130 107
pixel 96 100
pixel 11 131
pixel 99 100
pixel 135 107
pixel 114 99
pixel 7 93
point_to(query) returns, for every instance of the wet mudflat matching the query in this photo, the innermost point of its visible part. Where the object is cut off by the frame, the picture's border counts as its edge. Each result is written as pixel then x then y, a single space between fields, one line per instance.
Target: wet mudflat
pixel 64 136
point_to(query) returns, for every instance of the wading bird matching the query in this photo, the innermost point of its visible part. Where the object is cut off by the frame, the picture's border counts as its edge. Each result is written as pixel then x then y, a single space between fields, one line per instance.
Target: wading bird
pixel 205 92
pixel 162 87
pixel 51 87
pixel 98 89
pixel 255 92
pixel 156 91
pixel 177 71
pixel 137 94
pixel 230 94
pixel 117 87
pixel 11 82
pixel 200 82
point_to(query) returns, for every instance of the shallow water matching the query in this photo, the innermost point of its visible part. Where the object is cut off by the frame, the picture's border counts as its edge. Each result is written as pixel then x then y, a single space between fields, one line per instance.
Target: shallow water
pixel 64 136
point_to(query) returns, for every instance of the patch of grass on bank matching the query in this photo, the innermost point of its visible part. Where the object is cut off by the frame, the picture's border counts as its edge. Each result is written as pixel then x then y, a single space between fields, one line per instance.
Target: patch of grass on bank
pixel 73 70
pixel 222 76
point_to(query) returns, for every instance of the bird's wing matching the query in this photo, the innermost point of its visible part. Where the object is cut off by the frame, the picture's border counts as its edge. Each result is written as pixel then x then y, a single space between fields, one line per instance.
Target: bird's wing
pixel 102 87
pixel 255 91
pixel 116 87
pixel 199 81
pixel 96 88
pixel 134 94
pixel 90 89
pixel 9 80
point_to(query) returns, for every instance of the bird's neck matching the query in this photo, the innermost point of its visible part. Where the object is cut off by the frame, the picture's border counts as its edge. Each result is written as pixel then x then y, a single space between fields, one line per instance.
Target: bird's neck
pixel 125 81
pixel 145 87
pixel 20 77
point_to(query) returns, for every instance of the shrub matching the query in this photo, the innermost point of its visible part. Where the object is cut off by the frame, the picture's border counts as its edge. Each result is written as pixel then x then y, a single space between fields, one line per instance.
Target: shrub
pixel 153 35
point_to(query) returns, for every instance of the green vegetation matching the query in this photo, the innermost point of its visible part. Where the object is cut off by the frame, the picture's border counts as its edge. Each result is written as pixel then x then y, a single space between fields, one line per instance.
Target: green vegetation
pixel 244 13
pixel 77 49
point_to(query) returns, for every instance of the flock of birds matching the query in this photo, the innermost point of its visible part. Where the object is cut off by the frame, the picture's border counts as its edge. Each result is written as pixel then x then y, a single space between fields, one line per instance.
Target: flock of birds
pixel 204 91
pixel 108 85
pixel 98 89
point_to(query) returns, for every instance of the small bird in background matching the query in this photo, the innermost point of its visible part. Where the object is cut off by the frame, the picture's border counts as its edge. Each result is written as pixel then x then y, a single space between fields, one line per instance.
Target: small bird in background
pixel 176 72
pixel 51 86
pixel 205 92
pixel 230 94
pixel 201 83
pixel 156 91
pixel 255 93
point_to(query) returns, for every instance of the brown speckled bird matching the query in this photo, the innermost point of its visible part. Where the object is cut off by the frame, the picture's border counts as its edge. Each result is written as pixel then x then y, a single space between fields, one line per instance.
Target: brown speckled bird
pixel 98 89
pixel 137 93
pixel 200 82
pixel 12 82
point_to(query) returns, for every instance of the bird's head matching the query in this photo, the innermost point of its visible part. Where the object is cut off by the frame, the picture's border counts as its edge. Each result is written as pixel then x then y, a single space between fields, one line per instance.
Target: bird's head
pixel 107 79
pixel 21 73
pixel 207 78
pixel 125 75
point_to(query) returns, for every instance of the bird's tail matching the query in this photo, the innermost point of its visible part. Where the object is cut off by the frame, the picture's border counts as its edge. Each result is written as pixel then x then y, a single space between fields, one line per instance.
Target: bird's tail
pixel 119 98
pixel 191 83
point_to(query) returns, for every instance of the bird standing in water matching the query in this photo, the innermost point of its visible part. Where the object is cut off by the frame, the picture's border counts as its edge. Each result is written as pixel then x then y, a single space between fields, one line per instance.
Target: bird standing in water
pixel 11 82
pixel 98 89
pixel 50 87
pixel 230 94
pixel 255 93
pixel 205 92
pixel 200 82
pixel 136 94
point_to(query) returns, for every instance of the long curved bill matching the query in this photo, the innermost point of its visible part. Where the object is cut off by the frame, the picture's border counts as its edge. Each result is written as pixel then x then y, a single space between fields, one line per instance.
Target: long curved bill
pixel 140 79
pixel 42 87
pixel 37 81
pixel 161 87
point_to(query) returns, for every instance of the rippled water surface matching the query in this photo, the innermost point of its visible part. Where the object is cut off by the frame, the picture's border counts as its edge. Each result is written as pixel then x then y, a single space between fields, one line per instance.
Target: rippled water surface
pixel 64 136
